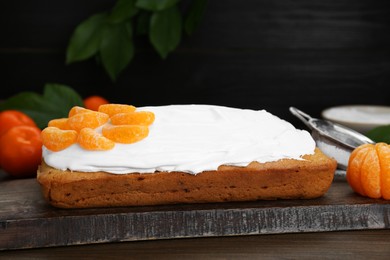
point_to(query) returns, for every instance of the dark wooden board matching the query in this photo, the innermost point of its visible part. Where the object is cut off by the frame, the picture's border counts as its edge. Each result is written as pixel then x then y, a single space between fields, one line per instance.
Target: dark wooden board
pixel 27 221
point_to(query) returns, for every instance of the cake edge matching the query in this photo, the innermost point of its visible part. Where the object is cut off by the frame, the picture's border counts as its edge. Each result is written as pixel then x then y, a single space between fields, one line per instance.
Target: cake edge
pixel 308 178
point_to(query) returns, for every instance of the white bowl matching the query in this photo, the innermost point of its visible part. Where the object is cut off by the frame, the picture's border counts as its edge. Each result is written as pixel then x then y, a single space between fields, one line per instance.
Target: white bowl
pixel 361 118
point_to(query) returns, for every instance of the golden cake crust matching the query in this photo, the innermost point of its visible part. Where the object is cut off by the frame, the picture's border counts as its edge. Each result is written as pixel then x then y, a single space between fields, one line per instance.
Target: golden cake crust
pixel 283 179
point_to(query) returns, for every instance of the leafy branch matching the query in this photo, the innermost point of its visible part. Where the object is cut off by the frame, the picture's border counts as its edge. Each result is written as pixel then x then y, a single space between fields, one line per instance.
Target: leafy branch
pixel 55 102
pixel 109 36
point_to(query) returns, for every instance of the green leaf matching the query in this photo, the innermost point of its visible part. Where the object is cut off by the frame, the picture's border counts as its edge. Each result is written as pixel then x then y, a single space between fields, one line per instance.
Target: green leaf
pixel 123 10
pixel 116 49
pixel 54 103
pixel 156 5
pixel 56 93
pixel 142 26
pixel 32 104
pixel 165 30
pixel 194 15
pixel 380 134
pixel 85 41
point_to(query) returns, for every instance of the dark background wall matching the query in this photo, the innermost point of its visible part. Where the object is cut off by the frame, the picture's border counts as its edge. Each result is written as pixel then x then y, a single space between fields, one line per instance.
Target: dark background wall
pixel 268 54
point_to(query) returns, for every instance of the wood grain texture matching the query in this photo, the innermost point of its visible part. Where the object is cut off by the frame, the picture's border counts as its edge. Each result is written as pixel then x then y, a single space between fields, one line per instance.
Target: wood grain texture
pixel 305 79
pixel 26 221
pixel 251 54
pixel 251 24
pixel 367 244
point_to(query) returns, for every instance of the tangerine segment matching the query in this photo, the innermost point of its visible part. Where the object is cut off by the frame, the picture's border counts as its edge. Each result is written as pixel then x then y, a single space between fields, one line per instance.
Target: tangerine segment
pixel 126 134
pixel 356 160
pixel 370 174
pixel 61 123
pixel 136 118
pixel 112 109
pixel 77 110
pixel 56 139
pixel 91 140
pixel 383 151
pixel 88 119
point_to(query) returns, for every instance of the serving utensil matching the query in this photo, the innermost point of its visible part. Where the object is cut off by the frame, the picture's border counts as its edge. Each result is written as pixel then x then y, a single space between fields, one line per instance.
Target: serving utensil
pixel 332 139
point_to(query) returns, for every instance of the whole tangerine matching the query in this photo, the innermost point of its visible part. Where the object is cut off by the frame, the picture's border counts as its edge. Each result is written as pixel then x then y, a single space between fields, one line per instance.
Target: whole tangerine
pixel 368 171
pixel 11 118
pixel 94 102
pixel 21 151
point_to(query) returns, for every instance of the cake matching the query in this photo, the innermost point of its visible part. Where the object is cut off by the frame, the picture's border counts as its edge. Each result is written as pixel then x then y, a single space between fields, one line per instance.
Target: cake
pixel 189 154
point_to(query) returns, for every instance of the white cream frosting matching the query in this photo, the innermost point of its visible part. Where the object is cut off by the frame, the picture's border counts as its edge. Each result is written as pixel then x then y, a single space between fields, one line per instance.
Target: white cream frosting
pixel 193 138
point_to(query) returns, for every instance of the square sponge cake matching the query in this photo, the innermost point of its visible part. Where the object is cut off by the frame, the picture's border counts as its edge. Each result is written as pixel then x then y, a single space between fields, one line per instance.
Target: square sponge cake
pixel 180 154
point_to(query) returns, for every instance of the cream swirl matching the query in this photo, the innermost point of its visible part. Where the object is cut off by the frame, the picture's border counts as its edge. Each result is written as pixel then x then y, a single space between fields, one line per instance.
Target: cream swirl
pixel 194 138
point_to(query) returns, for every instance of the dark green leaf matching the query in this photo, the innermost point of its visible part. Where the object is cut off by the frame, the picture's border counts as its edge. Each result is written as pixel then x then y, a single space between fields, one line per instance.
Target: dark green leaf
pixel 116 49
pixel 63 96
pixel 123 9
pixel 194 15
pixel 86 38
pixel 380 134
pixel 155 5
pixel 165 30
pixel 143 19
pixel 43 108
pixel 32 104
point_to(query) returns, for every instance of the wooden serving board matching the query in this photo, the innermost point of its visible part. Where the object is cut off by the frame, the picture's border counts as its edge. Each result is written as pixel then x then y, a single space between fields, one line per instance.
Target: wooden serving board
pixel 27 221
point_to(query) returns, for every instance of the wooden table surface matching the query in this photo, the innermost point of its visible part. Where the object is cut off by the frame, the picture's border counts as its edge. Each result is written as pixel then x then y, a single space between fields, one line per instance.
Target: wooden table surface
pixel 368 244
pixel 372 242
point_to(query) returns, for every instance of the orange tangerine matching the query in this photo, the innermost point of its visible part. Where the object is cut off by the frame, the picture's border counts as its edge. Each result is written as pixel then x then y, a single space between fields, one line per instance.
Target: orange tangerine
pixel 370 174
pixel 89 139
pixel 87 119
pixel 384 154
pixel 112 109
pixel 56 139
pixel 135 118
pixel 126 134
pixel 368 171
pixel 354 168
pixel 61 123
pixel 12 118
pixel 93 102
pixel 77 110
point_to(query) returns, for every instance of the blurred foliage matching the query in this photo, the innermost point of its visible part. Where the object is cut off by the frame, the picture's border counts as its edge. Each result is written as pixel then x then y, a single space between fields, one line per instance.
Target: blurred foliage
pixel 55 102
pixel 109 36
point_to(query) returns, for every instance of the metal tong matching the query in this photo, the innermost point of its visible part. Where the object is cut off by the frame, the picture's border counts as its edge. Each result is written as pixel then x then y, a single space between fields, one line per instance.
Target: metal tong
pixel 332 139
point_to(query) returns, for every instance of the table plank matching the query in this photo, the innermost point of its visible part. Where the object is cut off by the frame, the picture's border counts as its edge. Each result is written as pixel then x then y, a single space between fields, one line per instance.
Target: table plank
pixel 27 221
pixel 364 244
